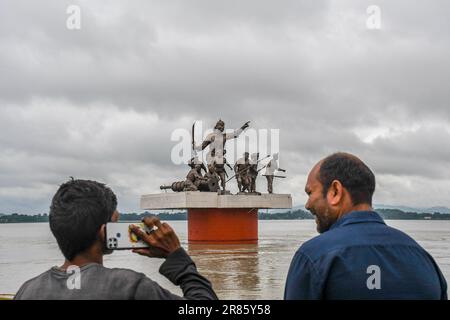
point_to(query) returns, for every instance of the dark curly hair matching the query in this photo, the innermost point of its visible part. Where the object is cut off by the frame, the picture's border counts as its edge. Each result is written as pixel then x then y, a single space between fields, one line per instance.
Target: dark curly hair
pixel 78 210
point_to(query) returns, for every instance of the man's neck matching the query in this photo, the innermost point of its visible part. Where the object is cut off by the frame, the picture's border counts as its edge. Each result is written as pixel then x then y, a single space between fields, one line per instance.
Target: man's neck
pixel 358 207
pixel 361 207
pixel 84 259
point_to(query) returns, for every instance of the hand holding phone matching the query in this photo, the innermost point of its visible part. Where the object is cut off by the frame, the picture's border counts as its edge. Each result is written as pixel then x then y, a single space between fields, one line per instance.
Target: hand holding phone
pixel 119 236
pixel 161 241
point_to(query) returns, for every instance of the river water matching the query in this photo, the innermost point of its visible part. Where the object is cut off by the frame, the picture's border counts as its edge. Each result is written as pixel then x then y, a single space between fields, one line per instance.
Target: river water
pixel 236 271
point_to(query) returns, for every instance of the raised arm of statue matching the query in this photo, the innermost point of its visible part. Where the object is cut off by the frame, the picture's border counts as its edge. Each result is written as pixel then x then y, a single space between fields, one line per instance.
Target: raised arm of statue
pixel 236 133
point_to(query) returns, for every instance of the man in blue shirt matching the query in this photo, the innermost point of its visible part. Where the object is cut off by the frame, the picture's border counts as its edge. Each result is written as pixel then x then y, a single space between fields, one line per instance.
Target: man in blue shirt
pixel 357 256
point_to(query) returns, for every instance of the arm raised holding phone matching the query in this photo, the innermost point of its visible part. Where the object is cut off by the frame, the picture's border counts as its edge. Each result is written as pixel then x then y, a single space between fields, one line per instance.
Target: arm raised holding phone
pixel 83 218
pixel 179 268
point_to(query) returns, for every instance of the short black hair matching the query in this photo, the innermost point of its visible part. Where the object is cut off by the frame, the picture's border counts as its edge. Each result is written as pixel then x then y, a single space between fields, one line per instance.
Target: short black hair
pixel 78 210
pixel 354 175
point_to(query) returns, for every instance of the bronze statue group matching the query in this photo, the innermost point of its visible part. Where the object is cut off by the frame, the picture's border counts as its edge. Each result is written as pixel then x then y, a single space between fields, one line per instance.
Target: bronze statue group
pixel 245 169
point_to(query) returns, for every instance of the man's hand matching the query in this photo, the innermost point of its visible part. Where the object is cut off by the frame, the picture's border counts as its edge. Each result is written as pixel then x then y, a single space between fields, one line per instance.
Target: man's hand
pixel 245 126
pixel 162 241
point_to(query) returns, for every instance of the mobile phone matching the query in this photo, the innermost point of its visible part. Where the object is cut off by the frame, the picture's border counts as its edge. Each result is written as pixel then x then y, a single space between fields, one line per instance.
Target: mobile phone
pixel 120 237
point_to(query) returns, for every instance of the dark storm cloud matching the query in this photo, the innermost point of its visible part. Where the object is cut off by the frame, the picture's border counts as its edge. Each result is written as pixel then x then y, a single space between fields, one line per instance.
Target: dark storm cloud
pixel 102 102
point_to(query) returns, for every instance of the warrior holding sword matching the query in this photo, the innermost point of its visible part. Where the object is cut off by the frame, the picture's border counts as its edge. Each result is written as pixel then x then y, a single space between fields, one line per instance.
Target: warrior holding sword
pixel 216 142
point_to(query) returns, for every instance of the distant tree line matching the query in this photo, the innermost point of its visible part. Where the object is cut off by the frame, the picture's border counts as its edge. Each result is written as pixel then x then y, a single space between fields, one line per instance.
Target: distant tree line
pixel 395 214
pixel 163 216
pixel 389 214
pixel 287 215
pixel 17 218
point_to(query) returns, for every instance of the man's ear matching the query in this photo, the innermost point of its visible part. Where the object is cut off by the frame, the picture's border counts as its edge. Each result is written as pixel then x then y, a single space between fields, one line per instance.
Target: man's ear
pixel 335 192
pixel 101 235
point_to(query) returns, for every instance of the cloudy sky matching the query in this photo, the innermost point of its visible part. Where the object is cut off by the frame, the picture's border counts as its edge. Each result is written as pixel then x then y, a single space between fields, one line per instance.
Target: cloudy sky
pixel 102 102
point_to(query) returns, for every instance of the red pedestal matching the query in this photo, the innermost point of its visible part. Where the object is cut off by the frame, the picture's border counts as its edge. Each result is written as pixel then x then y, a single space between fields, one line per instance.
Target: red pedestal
pixel 224 225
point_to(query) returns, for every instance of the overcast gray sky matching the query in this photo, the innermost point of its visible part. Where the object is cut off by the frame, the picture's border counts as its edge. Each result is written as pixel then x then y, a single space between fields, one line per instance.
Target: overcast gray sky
pixel 101 102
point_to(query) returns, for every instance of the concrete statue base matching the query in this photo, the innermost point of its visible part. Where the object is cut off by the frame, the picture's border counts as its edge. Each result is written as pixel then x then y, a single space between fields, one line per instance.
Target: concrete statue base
pixel 218 218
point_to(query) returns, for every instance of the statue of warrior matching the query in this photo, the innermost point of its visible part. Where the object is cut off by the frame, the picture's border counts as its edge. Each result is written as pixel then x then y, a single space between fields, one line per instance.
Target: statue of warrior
pixel 271 168
pixel 241 168
pixel 219 168
pixel 253 171
pixel 194 161
pixel 195 181
pixel 216 142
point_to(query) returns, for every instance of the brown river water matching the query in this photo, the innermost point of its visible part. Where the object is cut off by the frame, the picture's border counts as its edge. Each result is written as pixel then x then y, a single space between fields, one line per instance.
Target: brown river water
pixel 236 271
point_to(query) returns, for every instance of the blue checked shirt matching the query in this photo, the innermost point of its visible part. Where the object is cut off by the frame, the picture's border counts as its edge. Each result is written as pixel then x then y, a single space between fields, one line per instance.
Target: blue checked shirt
pixel 360 257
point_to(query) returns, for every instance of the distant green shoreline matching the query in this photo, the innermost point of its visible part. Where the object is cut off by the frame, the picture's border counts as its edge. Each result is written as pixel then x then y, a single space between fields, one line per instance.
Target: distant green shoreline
pixel 389 214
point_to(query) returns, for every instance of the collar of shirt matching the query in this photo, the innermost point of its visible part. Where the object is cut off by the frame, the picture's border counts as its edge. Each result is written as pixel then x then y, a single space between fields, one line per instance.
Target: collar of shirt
pixel 358 217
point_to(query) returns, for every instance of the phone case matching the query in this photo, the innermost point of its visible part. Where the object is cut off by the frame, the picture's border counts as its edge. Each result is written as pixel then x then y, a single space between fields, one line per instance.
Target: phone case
pixel 120 237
